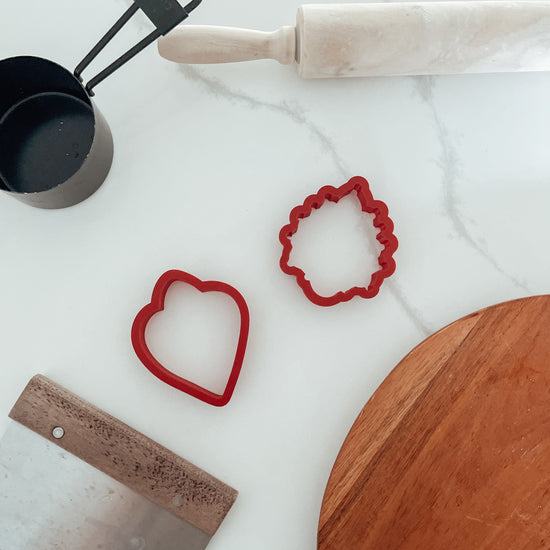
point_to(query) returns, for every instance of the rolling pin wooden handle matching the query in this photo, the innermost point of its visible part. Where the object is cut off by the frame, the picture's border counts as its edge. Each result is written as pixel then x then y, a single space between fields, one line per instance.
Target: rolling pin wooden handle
pixel 206 44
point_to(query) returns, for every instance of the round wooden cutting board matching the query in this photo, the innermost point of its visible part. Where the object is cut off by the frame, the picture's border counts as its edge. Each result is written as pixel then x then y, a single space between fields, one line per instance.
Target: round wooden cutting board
pixel 453 449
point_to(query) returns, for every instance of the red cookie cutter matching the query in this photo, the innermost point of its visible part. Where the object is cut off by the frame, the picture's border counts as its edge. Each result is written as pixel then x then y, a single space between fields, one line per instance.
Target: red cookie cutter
pixel 381 222
pixel 157 304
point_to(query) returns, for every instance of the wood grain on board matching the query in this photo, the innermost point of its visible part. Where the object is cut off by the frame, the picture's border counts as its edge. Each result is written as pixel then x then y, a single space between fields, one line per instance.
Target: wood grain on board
pixel 124 454
pixel 453 450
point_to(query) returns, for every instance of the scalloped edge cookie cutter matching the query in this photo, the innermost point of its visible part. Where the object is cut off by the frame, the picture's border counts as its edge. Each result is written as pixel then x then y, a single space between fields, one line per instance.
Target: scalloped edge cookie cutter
pixel 157 305
pixel 385 236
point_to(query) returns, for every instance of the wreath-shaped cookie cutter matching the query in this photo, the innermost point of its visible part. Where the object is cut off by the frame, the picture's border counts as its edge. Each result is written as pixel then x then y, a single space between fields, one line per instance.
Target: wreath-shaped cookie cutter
pixel 385 236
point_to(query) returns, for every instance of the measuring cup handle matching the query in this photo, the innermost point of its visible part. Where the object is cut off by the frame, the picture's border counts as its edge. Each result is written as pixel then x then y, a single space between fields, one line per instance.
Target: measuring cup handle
pixel 164 15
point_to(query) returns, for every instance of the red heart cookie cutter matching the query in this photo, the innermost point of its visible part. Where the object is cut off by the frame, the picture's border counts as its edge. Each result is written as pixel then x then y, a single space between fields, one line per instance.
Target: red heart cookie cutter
pixel 157 304
pixel 385 237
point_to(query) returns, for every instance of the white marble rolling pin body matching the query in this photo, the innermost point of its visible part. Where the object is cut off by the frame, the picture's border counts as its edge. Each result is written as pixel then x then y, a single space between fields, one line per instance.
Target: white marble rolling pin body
pixel 382 39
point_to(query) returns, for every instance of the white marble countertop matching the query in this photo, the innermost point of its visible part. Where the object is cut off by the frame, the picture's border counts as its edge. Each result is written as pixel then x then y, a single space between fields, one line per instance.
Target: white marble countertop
pixel 209 162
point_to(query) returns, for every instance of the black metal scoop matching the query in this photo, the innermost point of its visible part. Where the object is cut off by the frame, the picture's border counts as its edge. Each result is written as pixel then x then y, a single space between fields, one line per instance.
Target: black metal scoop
pixel 56 148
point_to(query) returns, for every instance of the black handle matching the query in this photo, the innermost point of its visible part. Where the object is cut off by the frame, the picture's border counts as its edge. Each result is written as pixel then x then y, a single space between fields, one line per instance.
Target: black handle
pixel 164 14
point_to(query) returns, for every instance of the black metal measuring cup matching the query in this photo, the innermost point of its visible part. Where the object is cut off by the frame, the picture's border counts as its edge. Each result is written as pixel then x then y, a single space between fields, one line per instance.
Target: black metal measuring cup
pixel 56 148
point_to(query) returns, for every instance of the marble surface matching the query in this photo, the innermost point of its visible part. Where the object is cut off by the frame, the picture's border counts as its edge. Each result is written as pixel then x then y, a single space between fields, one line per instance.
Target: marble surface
pixel 208 163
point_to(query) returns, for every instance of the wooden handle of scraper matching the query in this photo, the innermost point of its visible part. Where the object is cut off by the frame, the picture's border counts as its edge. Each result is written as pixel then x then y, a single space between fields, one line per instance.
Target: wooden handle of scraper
pixel 381 39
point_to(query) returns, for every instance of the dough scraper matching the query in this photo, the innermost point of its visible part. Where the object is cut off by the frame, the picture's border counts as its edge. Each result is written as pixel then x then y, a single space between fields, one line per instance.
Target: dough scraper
pixel 74 478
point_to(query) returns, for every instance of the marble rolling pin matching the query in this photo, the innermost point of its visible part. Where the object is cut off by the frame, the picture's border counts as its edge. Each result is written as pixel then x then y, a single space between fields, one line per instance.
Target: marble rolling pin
pixel 383 39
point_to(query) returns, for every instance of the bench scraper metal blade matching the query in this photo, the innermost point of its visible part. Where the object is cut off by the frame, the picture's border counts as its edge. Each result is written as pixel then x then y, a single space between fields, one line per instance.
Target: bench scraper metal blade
pixel 74 478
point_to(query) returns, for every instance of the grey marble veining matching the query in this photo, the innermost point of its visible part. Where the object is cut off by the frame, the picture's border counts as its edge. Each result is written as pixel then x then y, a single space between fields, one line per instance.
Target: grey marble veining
pixel 450 165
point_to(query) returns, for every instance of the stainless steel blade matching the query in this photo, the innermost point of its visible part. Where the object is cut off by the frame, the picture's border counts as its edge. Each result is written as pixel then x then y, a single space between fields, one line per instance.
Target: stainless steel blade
pixel 49 499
